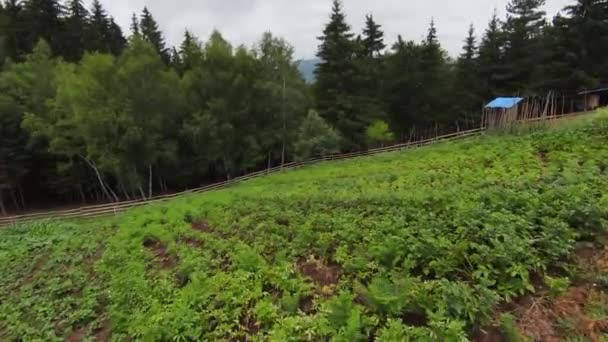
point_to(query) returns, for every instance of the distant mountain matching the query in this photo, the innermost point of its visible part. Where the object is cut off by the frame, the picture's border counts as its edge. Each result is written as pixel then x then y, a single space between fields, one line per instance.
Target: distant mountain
pixel 307 69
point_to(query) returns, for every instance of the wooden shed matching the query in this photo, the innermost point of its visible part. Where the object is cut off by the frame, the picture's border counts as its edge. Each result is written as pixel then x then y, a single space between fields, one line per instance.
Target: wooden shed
pixel 594 98
pixel 501 111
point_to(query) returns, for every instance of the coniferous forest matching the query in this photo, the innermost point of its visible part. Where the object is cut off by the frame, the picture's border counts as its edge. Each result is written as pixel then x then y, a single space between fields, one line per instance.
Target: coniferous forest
pixel 91 112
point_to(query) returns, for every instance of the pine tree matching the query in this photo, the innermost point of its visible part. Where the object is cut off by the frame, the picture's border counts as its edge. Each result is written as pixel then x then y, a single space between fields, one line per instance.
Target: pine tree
pixel 15 47
pixel 490 60
pixel 368 80
pixel 467 85
pixel 403 77
pixel 42 20
pixel 134 25
pixel 587 27
pixel 4 28
pixel 99 29
pixel 523 28
pixel 175 61
pixel 435 80
pixel 76 26
pixel 151 33
pixel 116 40
pixel 335 86
pixel 373 40
pixel 190 52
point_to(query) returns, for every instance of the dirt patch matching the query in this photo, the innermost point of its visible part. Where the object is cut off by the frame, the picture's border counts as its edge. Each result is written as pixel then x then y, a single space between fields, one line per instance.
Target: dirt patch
pixel 201 226
pixel 282 221
pixel 163 259
pixel 542 154
pixel 102 334
pixel 38 265
pixel 491 334
pixel 321 273
pixel 192 242
pixel 250 325
pixel 90 261
pixel 538 322
pixel 78 335
pixel 306 305
pixel 414 319
pixel 204 227
pixel 540 316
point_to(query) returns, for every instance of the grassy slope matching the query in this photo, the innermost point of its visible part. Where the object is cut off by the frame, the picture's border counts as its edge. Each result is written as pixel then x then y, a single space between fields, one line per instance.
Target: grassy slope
pixel 422 244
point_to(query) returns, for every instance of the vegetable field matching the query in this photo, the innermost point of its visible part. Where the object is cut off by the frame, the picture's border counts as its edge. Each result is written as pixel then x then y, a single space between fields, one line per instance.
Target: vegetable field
pixel 428 245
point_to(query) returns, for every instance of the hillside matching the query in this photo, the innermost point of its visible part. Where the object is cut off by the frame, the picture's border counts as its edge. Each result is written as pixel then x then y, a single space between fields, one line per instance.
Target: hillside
pixel 420 245
pixel 307 67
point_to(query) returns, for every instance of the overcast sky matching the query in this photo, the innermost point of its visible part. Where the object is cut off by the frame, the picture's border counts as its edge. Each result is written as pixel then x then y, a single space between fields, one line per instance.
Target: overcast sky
pixel 301 21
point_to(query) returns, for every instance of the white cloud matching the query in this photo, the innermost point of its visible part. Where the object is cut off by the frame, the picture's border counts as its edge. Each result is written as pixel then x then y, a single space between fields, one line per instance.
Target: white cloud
pixel 300 22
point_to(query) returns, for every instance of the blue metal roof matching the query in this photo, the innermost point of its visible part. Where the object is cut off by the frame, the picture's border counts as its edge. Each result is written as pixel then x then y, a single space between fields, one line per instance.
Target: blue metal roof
pixel 504 102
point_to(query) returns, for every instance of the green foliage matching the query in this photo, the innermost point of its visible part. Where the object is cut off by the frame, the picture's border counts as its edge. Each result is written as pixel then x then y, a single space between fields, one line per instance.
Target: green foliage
pixel 509 328
pixel 316 138
pixel 335 87
pixel 557 286
pixel 217 111
pixel 420 245
pixel 379 133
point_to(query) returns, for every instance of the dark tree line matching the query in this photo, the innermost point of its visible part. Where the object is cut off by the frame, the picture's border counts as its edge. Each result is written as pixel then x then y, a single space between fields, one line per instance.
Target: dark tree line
pixel 87 114
pixel 416 85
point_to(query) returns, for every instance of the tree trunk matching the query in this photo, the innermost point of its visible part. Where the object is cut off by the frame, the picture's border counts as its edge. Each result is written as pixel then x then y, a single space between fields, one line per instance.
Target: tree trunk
pixel 141 191
pixel 15 203
pixel 150 181
pixel 116 199
pixel 226 168
pixel 269 158
pixel 124 191
pixel 21 197
pixel 160 183
pixel 2 207
pixel 101 182
pixel 284 123
pixel 83 198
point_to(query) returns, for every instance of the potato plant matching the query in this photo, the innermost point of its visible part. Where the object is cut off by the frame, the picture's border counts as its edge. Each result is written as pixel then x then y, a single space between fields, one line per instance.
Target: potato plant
pixel 417 245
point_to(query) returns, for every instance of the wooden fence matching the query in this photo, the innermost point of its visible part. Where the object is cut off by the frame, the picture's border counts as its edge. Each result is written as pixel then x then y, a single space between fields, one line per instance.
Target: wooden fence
pixel 118 207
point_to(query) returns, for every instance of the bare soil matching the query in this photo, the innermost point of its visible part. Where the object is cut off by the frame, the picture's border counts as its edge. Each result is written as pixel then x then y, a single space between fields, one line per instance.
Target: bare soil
pixel 163 259
pixel 539 316
pixel 321 273
pixel 201 226
pixel 78 335
pixel 103 333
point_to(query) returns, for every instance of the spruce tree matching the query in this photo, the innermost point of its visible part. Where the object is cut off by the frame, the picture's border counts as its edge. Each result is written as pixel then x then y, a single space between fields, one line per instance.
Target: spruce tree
pixel 490 67
pixel 467 86
pixel 369 70
pixel 134 25
pixel 335 76
pixel 42 18
pixel 15 47
pixel 523 28
pixel 435 81
pixel 373 37
pixel 190 52
pixel 4 28
pixel 116 40
pixel 99 29
pixel 175 61
pixel 587 27
pixel 403 76
pixel 151 33
pixel 76 26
